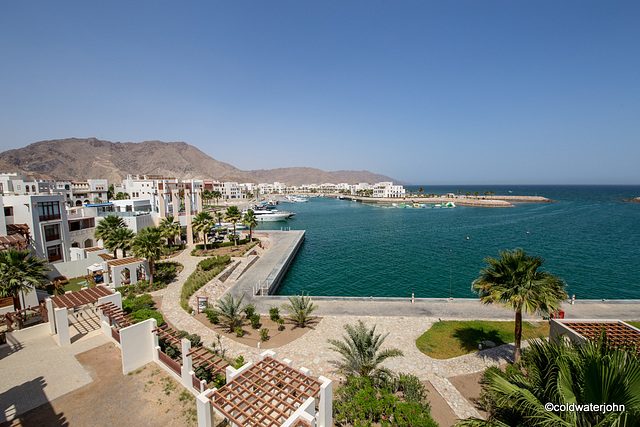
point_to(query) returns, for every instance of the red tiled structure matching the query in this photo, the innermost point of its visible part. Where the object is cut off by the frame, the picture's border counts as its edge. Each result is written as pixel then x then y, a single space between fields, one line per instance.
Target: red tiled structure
pixel 619 333
pixel 82 297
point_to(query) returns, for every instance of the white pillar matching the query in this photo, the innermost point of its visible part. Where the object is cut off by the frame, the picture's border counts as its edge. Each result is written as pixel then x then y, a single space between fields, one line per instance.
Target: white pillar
pixel 161 202
pixel 62 325
pixel 199 199
pixel 187 208
pixel 205 411
pixel 325 404
pixel 51 316
pixel 187 364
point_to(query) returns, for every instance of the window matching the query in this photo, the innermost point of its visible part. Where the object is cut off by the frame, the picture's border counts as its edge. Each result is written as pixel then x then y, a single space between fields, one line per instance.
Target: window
pixel 54 253
pixel 49 211
pixel 8 211
pixel 51 232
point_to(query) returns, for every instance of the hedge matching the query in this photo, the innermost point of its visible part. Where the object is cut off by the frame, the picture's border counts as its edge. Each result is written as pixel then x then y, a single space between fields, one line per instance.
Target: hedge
pixel 198 279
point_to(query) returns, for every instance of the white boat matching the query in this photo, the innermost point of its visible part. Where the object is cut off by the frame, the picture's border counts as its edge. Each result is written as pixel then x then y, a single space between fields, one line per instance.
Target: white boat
pixel 264 215
pixel 296 199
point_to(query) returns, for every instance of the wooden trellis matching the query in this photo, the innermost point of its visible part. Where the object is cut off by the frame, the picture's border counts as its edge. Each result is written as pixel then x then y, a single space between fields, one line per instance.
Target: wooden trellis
pixel 116 314
pixel 618 334
pixel 265 395
pixel 82 297
pixel 202 358
pixel 169 335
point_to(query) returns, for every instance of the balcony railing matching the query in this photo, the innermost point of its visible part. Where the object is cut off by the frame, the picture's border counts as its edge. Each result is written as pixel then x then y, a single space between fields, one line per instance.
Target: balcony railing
pixel 51 237
pixel 49 217
pixel 54 258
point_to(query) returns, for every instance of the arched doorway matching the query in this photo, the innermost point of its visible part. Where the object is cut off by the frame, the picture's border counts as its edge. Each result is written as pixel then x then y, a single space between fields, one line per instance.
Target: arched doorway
pixel 88 243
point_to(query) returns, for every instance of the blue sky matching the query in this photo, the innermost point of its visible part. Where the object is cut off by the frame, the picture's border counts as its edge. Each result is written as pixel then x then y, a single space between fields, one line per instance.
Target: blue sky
pixel 427 92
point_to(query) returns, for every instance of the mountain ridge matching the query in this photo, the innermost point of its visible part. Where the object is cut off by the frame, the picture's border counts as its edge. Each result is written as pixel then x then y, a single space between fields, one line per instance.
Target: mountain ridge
pixel 86 158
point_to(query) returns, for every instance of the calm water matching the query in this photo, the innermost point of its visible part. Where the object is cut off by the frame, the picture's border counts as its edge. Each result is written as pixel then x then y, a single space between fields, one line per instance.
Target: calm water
pixel 352 249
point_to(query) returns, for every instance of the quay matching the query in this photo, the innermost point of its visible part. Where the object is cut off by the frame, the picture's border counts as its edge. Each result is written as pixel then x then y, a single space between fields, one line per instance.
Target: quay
pixel 472 201
pixel 271 268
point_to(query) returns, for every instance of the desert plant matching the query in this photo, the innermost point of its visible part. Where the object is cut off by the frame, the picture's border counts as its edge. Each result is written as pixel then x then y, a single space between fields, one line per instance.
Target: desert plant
pixel 212 315
pixel 360 348
pixel 255 321
pixel 264 334
pixel 239 332
pixel 229 309
pixel 280 324
pixel 249 310
pixel 300 308
pixel 274 313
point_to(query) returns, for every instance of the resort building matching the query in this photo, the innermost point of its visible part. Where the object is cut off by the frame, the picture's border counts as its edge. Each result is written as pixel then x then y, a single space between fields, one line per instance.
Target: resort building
pixel 388 190
pixel 44 219
pixel 89 191
pixel 82 224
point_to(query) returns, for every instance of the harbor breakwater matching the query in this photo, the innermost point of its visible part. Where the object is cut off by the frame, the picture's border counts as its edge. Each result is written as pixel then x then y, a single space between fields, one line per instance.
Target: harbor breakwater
pixel 480 201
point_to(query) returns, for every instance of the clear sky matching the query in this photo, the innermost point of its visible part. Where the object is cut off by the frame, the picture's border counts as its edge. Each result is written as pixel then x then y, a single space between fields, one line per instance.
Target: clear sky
pixel 427 92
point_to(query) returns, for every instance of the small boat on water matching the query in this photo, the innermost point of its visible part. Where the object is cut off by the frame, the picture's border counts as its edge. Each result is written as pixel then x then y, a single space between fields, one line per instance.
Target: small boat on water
pixel 265 215
pixel 296 199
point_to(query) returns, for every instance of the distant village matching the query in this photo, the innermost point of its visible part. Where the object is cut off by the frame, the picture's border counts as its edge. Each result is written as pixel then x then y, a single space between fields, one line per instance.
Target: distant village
pixel 57 219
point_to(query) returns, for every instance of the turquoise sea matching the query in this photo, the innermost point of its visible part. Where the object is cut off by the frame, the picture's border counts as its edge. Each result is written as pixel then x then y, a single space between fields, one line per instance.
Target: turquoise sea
pixel 588 238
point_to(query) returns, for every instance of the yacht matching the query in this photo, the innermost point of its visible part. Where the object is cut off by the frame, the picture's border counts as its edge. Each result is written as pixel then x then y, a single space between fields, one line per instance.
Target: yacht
pixel 265 215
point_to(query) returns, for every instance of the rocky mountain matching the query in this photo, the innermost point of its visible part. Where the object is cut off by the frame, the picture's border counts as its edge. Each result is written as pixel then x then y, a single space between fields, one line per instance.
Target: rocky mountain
pixel 76 158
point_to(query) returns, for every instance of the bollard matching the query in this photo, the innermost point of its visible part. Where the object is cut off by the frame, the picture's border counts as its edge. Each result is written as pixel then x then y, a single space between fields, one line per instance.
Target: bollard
pixel 412 298
pixel 573 299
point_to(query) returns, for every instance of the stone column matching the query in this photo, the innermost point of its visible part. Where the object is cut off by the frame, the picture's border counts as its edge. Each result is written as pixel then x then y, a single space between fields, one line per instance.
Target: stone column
pixel 187 208
pixel 199 199
pixel 175 195
pixel 161 202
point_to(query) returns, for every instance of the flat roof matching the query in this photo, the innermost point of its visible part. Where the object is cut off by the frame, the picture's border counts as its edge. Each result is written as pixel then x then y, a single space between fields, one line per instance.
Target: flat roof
pixel 124 261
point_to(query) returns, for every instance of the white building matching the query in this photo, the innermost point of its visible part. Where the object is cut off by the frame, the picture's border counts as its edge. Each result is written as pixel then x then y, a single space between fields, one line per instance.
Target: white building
pixel 46 218
pixel 89 191
pixel 388 190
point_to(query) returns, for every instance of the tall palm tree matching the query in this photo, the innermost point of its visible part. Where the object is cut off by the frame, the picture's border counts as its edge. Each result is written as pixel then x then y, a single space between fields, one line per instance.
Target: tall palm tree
pixel 206 195
pixel 219 216
pixel 121 238
pixel 564 373
pixel 514 281
pixel 229 309
pixel 106 226
pixel 19 272
pixel 233 215
pixel 216 195
pixel 202 224
pixel 300 308
pixel 250 221
pixel 169 229
pixel 148 244
pixel 360 348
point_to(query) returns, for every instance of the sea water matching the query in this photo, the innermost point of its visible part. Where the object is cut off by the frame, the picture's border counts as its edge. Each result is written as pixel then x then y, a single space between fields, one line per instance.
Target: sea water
pixel 589 238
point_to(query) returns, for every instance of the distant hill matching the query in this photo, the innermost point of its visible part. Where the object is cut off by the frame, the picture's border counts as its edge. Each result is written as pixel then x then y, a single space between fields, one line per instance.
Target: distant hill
pixel 76 158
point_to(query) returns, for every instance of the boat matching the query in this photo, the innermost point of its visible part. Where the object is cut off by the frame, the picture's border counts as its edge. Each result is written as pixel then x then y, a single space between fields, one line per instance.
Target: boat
pixel 264 215
pixel 297 199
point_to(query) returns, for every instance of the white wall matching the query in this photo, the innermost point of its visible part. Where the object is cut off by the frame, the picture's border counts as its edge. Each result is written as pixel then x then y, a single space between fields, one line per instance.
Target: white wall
pixel 138 343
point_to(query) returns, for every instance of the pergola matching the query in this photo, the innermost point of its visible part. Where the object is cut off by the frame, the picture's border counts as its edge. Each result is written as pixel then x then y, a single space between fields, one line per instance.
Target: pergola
pixel 82 297
pixel 265 395
pixel 619 334
pixel 134 266
pixel 17 237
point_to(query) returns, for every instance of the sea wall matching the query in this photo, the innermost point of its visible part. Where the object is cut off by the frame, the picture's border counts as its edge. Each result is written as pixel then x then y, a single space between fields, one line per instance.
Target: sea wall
pixel 480 201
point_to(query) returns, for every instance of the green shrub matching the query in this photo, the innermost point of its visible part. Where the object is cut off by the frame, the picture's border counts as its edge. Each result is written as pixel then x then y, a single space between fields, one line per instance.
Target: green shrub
pixel 274 313
pixel 255 321
pixel 212 315
pixel 132 303
pixel 147 313
pixel 280 324
pixel 264 334
pixel 194 339
pixel 239 332
pixel 249 309
pixel 239 361
pixel 208 263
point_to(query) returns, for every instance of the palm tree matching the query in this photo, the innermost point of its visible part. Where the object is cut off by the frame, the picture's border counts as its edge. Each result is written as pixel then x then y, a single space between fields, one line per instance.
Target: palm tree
pixel 250 221
pixel 106 227
pixel 564 373
pixel 169 229
pixel 229 309
pixel 300 308
pixel 202 224
pixel 216 194
pixel 120 239
pixel 219 216
pixel 360 349
pixel 206 195
pixel 475 193
pixel 233 215
pixel 148 244
pixel 515 282
pixel 20 272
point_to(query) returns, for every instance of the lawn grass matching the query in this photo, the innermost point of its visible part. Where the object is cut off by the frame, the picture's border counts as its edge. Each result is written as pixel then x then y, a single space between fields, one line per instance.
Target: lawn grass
pixel 636 324
pixel 448 339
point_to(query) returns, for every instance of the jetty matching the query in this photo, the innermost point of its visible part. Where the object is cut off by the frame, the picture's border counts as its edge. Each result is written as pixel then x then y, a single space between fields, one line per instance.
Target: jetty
pixel 474 201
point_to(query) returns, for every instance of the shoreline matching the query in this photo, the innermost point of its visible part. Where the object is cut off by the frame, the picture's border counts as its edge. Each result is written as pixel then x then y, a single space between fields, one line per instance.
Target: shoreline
pixel 635 200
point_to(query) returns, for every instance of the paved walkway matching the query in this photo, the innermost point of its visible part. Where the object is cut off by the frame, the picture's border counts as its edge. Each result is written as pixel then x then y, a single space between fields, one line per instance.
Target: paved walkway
pixel 404 322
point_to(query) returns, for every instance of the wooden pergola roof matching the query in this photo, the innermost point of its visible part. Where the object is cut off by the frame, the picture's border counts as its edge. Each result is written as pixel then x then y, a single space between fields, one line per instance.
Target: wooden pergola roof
pixel 265 395
pixel 94 249
pixel 124 261
pixel 618 333
pixel 82 297
pixel 301 423
pixel 116 314
pixel 168 334
pixel 16 241
pixel 202 357
pixel 106 257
